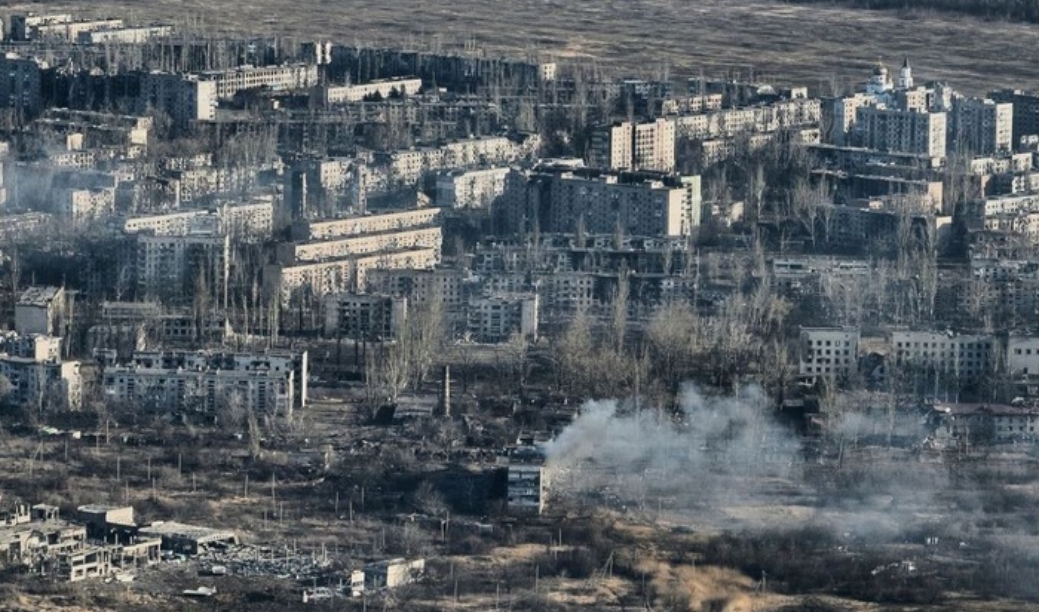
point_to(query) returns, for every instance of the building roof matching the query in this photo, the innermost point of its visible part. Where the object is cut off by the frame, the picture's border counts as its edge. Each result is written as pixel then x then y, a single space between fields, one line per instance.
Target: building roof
pixel 966 409
pixel 39 296
pixel 171 529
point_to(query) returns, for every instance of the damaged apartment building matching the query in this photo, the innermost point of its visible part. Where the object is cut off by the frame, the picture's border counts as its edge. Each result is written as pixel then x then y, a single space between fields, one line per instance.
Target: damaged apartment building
pixel 99 542
pixel 207 381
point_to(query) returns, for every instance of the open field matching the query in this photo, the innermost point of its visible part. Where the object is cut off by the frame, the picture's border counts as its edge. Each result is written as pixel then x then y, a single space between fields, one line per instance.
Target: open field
pixel 810 44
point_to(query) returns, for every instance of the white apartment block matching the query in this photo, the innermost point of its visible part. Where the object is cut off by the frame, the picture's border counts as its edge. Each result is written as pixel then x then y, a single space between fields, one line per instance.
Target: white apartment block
pixel 206 390
pixel 371 316
pixel 639 208
pixel 286 364
pixel 610 147
pixel 407 167
pixel 364 244
pixel 422 285
pixel 172 266
pixel 566 292
pixel 957 356
pixel 1022 356
pixel 497 318
pixel 726 123
pixel 170 224
pixel 646 145
pixel 57 29
pixel 251 219
pixel 470 188
pixel 124 35
pixel 185 98
pixel 1025 224
pixel 354 226
pixel 981 126
pixel 44 384
pixel 975 423
pixel 889 129
pixel 278 78
pixel 341 94
pixel 31 346
pixel 840 117
pixel 79 205
pixel 826 352
pixel 24 24
pixel 1014 204
pixel 342 275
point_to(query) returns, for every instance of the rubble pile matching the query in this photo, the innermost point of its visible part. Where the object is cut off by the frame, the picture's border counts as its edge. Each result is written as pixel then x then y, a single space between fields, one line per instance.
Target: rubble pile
pixel 247 560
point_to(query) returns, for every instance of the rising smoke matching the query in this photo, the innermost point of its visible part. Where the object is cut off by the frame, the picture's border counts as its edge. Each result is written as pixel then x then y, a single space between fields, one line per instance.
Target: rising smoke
pixel 727 463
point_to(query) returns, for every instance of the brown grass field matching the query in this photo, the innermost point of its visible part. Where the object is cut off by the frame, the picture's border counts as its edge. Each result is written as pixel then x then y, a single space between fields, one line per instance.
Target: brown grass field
pixel 811 45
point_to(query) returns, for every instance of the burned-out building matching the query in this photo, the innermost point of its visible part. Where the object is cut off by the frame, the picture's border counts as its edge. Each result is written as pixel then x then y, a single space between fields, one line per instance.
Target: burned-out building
pixel 528 480
pixel 188 539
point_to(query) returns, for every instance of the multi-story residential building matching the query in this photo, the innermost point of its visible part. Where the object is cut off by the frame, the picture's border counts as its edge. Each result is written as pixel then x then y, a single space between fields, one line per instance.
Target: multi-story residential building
pixel 278 78
pixel 384 88
pixel 364 244
pixel 408 166
pixel 1022 356
pixel 286 364
pixel 124 35
pixel 1025 112
pixel 369 317
pixel 646 145
pixel 785 114
pixel 261 392
pixel 185 98
pixel 58 27
pixel 420 286
pixel 251 219
pixel 562 200
pixel 342 275
pixel 840 115
pixel 470 188
pixel 79 205
pixel 497 318
pixel 528 481
pixel 827 352
pixel 24 24
pixel 43 384
pixel 31 346
pixel 21 86
pixel 95 129
pixel 891 129
pixel 315 187
pixel 986 423
pixel 958 357
pixel 336 256
pixel 178 267
pixel 981 126
pixel 317 231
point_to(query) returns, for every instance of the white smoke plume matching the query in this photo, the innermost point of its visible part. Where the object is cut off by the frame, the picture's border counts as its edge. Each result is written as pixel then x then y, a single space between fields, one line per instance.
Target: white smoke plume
pixel 725 462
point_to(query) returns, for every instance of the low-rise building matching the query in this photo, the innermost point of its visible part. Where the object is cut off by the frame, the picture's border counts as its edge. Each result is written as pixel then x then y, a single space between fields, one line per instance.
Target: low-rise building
pixel 278 78
pixel 986 423
pixel 384 88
